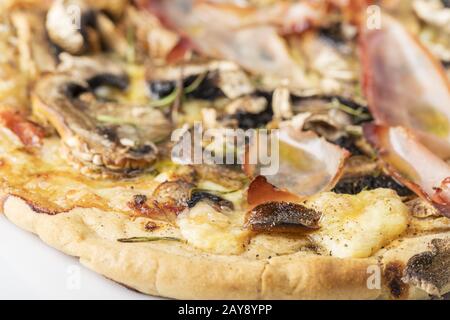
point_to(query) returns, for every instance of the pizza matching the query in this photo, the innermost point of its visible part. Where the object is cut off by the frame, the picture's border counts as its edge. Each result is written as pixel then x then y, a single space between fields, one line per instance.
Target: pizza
pixel 233 149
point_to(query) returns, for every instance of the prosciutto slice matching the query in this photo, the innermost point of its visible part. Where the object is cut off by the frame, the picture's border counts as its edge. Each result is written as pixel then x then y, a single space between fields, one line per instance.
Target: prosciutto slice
pixel 409 96
pixel 307 164
pixel 249 36
pixel 412 163
pixel 260 191
pixel 405 85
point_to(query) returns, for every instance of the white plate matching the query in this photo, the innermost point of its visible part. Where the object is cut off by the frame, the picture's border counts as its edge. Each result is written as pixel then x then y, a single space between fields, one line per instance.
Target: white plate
pixel 29 269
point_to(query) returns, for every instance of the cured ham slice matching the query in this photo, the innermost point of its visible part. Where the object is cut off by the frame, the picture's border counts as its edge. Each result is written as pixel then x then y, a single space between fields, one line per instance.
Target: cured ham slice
pixel 260 191
pixel 405 85
pixel 249 36
pixel 409 97
pixel 412 163
pixel 307 164
pixel 29 133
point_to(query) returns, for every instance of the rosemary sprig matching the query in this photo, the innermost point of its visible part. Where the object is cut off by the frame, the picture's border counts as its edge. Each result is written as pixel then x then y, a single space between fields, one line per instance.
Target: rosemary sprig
pixel 147 239
pixel 170 98
pixel 109 119
pixel 167 100
pixel 354 112
pixel 195 84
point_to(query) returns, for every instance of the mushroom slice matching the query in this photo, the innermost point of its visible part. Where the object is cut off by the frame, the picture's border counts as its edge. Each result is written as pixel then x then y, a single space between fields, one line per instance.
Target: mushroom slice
pixel 168 200
pixel 77 26
pixel 64 24
pixel 430 270
pixel 282 217
pixel 98 70
pixel 304 165
pixel 217 202
pixel 104 138
pixel 412 164
pixel 405 86
pixel 173 195
pixel 333 63
pixel 434 12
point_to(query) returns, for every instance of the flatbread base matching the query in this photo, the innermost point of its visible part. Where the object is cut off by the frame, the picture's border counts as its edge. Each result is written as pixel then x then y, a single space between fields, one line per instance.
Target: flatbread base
pixel 172 269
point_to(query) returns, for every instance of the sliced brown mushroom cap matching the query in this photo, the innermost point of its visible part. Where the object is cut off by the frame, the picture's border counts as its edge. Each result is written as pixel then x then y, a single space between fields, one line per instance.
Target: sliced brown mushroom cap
pixel 282 217
pixel 171 198
pixel 430 270
pixel 173 195
pixel 217 202
pixel 102 138
pixel 434 12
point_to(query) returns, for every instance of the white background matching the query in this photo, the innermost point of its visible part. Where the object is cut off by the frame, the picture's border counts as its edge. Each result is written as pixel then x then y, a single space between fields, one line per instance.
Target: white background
pixel 29 269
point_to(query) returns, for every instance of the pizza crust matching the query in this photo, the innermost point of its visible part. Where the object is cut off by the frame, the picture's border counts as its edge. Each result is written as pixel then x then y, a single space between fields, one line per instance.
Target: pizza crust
pixel 172 269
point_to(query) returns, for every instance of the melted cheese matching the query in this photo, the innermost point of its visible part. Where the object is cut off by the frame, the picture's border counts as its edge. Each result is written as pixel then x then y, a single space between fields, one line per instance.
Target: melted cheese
pixel 357 226
pixel 351 226
pixel 211 231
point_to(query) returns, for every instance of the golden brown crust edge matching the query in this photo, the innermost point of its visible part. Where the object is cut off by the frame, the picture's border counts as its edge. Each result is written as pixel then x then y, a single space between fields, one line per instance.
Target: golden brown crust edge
pixel 174 270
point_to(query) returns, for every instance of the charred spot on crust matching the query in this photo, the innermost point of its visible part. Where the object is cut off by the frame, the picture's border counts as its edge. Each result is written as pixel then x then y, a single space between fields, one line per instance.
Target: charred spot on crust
pixel 282 217
pixel 370 182
pixel 139 205
pixel 393 273
pixel 150 226
pixel 215 200
pixel 139 199
pixel 430 270
pixel 446 3
pixel 39 208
